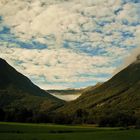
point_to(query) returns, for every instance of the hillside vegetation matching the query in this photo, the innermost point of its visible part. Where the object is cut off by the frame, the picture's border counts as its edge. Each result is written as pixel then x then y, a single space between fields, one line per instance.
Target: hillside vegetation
pixel 116 100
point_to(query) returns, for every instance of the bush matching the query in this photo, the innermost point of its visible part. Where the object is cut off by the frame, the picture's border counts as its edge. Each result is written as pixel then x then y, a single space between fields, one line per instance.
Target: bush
pixel 117 119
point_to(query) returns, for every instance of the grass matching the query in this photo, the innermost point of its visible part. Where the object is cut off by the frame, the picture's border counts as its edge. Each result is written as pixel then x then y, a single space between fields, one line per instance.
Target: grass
pixel 19 131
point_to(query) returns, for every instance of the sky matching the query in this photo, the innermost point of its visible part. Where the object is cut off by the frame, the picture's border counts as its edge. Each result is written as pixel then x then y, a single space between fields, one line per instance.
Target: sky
pixel 63 44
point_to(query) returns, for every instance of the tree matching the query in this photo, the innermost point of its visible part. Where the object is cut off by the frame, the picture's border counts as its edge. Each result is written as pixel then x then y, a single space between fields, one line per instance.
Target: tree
pixel 2 114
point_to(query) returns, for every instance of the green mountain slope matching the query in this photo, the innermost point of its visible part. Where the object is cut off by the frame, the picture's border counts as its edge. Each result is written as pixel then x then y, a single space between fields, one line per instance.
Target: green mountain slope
pixel 17 91
pixel 121 94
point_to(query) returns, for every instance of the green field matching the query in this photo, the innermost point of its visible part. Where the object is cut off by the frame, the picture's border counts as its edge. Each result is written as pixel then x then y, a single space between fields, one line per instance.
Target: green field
pixel 19 131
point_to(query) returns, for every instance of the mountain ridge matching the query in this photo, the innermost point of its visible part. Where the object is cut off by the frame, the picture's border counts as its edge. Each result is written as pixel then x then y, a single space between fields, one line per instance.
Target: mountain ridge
pixel 119 95
pixel 16 90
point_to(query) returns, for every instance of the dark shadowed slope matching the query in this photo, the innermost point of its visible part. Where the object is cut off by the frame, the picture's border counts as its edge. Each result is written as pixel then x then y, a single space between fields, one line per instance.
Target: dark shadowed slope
pixel 16 90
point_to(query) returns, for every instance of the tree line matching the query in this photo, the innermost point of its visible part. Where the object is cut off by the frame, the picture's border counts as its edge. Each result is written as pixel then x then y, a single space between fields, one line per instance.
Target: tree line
pixel 80 116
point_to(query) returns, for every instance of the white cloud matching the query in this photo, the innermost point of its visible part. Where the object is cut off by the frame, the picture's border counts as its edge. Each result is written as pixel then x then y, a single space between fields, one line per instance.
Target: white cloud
pixel 130 12
pixel 55 65
pixel 129 59
pixel 91 23
pixel 35 19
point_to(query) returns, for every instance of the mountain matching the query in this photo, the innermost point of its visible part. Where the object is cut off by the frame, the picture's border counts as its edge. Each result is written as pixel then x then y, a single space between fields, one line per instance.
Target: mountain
pixel 119 95
pixel 113 103
pixel 17 91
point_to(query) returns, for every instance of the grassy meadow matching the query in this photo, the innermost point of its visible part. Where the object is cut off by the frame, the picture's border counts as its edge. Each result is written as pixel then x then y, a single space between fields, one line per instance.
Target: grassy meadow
pixel 19 131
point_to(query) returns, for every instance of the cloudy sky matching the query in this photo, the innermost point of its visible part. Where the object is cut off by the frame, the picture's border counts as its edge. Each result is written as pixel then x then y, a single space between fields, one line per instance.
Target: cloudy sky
pixel 68 43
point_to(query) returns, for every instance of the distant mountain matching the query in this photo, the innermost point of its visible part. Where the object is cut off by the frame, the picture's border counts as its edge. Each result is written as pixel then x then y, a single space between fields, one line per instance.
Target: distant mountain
pixel 66 94
pixel 120 94
pixel 72 94
pixel 17 91
pixel 65 91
